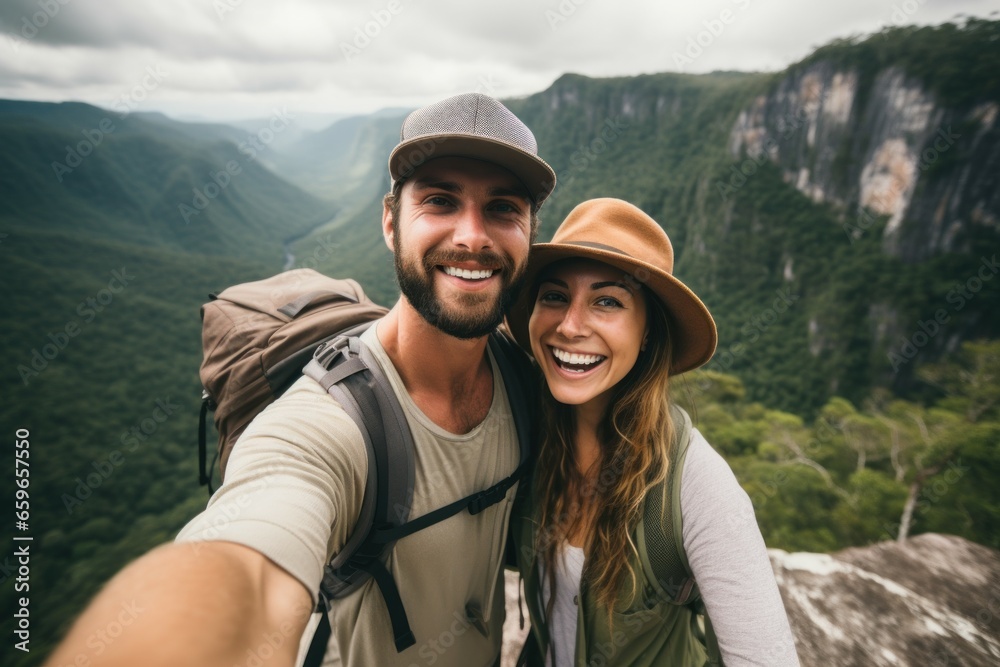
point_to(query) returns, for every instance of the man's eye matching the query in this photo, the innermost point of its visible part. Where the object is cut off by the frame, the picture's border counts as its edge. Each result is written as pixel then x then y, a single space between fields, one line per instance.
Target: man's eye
pixel 438 200
pixel 551 297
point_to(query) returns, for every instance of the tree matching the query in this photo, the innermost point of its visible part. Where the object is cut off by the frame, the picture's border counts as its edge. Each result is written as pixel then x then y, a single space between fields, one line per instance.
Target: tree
pixel 927 443
pixel 971 383
pixel 923 444
pixel 864 434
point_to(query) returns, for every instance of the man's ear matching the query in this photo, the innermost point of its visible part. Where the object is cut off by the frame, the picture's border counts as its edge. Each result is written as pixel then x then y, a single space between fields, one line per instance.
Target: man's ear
pixel 387 230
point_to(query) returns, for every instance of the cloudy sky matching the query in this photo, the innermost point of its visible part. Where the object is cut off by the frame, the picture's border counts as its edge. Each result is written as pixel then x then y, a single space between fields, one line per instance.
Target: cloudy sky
pixel 236 59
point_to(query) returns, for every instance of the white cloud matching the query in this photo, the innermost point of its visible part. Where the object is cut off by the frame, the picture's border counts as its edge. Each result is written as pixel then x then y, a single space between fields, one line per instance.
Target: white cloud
pixel 238 58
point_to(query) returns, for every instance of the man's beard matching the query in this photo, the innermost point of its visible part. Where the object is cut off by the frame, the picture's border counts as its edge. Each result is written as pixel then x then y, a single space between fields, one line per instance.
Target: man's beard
pixel 471 315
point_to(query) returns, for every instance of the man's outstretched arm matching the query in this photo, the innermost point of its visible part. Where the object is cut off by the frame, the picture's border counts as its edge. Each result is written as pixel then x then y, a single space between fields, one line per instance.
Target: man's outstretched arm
pixel 198 604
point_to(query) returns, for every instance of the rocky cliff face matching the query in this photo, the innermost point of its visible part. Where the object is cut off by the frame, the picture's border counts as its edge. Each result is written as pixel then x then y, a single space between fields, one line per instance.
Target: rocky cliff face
pixel 933 600
pixel 880 145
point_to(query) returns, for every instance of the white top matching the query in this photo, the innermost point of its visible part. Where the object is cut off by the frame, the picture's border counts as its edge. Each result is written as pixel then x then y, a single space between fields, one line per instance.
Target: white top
pixel 562 626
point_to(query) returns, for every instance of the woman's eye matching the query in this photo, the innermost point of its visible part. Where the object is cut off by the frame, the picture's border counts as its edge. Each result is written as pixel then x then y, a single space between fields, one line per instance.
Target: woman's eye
pixel 609 302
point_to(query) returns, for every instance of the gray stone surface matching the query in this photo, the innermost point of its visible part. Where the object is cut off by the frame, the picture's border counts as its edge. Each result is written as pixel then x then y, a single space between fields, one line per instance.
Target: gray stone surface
pixel 933 601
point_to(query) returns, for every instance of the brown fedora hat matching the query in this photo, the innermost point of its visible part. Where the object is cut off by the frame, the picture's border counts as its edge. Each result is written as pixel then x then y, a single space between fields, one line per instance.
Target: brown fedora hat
pixel 620 234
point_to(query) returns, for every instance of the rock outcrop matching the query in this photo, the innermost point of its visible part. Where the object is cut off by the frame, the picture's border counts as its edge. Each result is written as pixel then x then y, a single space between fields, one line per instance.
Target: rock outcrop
pixel 932 601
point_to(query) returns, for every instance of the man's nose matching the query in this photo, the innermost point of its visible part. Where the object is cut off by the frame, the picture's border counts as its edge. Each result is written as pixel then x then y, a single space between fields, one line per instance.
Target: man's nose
pixel 471 231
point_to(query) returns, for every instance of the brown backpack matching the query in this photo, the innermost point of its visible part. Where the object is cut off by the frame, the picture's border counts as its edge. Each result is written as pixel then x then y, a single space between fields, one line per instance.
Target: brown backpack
pixel 257 337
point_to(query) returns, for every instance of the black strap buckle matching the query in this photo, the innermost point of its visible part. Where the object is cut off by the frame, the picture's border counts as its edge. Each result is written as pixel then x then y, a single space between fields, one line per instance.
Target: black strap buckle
pixel 487 498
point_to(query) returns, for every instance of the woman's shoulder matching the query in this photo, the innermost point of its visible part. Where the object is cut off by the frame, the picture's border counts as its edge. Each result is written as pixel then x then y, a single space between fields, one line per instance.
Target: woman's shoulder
pixel 709 490
pixel 716 512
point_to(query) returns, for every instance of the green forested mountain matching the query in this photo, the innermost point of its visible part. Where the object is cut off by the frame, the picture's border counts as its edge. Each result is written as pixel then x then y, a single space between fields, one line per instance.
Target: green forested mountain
pixel 103 277
pixel 350 154
pixel 79 169
pixel 840 219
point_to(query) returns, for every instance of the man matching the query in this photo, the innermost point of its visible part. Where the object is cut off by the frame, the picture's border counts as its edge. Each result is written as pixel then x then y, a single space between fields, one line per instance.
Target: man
pixel 239 584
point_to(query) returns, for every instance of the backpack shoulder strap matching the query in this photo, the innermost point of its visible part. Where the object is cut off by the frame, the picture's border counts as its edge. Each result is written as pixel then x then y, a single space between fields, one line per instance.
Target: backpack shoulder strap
pixel 517 376
pixel 661 537
pixel 661 545
pixel 346 369
pixel 520 379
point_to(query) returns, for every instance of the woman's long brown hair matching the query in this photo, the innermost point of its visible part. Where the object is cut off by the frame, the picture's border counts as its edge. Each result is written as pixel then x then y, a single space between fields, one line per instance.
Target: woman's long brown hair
pixel 634 437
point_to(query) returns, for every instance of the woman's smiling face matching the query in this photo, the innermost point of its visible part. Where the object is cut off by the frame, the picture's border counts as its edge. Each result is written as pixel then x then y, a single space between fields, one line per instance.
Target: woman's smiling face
pixel 587 327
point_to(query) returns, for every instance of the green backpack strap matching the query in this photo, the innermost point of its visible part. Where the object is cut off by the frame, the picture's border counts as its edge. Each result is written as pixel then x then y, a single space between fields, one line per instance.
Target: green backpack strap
pixel 660 538
pixel 661 546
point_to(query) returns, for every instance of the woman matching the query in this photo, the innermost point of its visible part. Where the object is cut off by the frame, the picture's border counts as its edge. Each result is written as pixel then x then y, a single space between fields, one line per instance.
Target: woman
pixel 609 326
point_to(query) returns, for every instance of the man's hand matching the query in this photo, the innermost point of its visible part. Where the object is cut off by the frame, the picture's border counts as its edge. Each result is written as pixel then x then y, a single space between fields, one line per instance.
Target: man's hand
pixel 198 604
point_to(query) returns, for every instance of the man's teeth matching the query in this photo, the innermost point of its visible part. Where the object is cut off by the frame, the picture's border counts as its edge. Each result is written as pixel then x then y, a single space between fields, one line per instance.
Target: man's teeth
pixel 467 274
pixel 576 359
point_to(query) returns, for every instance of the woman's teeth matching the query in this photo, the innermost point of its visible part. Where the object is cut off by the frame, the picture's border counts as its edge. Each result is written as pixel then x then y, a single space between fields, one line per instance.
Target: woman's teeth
pixel 576 362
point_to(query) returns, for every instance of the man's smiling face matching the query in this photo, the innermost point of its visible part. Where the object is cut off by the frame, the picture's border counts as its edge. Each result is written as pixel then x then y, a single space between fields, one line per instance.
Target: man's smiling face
pixel 461 243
